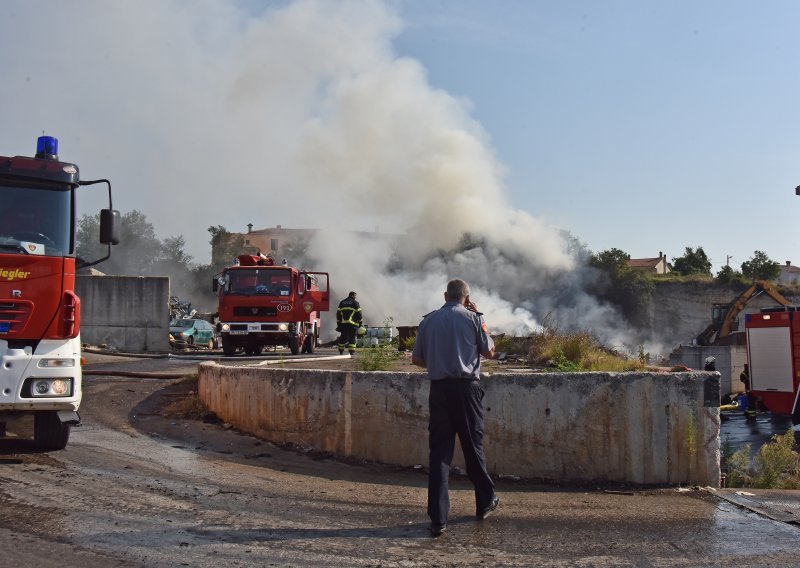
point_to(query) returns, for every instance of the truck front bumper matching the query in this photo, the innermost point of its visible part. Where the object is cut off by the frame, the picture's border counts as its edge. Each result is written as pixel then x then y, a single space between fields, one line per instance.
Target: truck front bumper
pixel 47 379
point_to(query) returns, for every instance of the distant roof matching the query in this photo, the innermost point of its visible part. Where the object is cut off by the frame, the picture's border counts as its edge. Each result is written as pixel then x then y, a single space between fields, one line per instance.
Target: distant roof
pixel 645 262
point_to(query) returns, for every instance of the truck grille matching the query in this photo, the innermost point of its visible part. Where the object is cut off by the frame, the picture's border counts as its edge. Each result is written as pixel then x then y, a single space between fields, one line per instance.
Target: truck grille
pixel 245 311
pixel 14 315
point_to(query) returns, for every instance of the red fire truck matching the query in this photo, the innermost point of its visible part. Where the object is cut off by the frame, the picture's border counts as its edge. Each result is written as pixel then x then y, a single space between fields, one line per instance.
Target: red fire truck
pixel 262 304
pixel 40 347
pixel 773 353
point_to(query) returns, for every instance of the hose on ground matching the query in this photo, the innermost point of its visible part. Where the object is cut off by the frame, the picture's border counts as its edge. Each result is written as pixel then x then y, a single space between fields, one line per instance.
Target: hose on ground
pixel 135 374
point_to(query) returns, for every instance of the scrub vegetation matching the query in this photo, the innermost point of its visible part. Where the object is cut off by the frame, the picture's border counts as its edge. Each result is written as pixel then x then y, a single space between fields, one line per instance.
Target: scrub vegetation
pixel 775 466
pixel 378 357
pixel 568 351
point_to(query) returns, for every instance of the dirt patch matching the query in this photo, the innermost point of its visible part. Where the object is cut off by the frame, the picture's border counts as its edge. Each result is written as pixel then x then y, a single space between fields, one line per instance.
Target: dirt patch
pixel 181 401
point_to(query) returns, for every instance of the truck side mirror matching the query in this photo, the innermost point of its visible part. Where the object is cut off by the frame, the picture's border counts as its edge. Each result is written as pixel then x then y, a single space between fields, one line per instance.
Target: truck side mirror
pixel 109 226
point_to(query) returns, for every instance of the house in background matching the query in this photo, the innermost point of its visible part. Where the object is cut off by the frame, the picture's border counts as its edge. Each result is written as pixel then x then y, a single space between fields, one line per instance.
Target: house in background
pixel 273 240
pixel 280 242
pixel 658 265
pixel 790 275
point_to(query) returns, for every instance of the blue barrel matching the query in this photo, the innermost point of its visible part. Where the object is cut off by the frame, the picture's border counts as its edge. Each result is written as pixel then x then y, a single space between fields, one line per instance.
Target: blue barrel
pixel 742 400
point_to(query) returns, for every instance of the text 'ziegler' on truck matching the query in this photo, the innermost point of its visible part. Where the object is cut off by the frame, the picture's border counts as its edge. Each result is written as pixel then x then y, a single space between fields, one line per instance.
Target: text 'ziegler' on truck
pixel 40 346
pixel 261 304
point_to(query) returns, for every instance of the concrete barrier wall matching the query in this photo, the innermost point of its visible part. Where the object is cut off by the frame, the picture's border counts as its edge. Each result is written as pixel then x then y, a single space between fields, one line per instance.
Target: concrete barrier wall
pixel 127 313
pixel 636 428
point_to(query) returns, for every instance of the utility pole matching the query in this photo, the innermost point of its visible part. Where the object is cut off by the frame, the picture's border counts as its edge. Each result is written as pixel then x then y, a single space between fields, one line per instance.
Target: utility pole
pixel 728 260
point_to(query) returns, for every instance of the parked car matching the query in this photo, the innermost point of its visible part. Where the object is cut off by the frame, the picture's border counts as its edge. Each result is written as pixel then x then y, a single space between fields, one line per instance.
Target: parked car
pixel 193 332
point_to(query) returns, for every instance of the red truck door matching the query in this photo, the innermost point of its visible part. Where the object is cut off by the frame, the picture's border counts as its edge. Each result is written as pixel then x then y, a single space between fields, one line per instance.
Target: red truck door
pixel 313 287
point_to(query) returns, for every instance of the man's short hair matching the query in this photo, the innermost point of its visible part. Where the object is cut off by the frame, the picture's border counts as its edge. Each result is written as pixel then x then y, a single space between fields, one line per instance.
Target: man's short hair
pixel 352 294
pixel 457 289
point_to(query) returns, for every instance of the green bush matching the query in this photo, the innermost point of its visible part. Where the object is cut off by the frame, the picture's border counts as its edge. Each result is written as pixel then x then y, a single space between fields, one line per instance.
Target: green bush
pixel 407 343
pixel 377 358
pixel 562 363
pixel 776 464
pixel 774 467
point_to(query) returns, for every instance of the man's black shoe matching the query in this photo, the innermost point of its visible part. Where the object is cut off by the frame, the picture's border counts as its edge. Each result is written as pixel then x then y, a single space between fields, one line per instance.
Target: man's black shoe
pixel 489 508
pixel 437 529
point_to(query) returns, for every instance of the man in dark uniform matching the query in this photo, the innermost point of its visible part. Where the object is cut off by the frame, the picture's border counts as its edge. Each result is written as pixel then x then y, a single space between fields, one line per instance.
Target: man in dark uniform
pixel 348 320
pixel 449 344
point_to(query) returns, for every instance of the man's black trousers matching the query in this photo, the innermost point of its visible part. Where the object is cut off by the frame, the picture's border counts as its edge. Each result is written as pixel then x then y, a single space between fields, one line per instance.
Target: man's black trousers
pixel 347 336
pixel 456 408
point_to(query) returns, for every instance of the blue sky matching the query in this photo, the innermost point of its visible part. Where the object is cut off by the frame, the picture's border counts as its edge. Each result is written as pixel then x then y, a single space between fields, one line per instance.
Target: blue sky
pixel 643 126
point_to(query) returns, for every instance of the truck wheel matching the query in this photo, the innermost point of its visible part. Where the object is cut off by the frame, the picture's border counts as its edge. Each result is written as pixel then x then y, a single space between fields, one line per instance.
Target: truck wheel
pixel 228 347
pixel 309 344
pixel 294 345
pixel 48 431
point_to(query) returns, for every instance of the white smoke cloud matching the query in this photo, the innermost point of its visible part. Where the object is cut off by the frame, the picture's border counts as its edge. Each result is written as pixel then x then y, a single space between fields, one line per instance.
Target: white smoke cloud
pixel 204 114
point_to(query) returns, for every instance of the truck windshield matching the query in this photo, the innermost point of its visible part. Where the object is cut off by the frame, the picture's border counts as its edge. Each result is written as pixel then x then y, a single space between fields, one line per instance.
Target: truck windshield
pixel 260 282
pixel 35 220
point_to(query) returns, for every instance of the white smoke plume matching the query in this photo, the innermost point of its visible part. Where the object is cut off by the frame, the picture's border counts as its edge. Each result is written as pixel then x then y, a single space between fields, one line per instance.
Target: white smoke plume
pixel 301 114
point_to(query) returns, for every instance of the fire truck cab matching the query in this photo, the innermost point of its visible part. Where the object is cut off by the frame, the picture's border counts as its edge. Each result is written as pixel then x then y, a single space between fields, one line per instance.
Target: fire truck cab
pixel 261 304
pixel 40 347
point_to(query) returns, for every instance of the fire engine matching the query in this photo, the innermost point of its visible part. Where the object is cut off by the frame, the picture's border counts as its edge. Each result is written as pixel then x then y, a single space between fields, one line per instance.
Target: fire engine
pixel 773 354
pixel 262 304
pixel 40 347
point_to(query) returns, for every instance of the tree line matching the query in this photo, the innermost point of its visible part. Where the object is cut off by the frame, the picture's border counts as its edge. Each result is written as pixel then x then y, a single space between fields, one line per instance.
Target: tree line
pixel 142 253
pixel 631 290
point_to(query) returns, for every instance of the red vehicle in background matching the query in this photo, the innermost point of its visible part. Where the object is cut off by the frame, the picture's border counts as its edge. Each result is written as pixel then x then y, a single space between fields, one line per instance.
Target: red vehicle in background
pixel 261 304
pixel 773 356
pixel 40 346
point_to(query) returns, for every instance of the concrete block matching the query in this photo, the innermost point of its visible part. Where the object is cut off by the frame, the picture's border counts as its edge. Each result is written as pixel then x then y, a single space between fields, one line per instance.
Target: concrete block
pixel 128 313
pixel 640 428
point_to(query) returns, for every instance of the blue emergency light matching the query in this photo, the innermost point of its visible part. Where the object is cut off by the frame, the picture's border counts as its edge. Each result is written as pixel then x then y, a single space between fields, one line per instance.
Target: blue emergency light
pixel 47 147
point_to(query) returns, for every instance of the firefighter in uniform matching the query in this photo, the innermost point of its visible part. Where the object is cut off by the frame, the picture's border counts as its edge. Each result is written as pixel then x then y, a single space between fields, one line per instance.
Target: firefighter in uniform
pixel 449 345
pixel 348 320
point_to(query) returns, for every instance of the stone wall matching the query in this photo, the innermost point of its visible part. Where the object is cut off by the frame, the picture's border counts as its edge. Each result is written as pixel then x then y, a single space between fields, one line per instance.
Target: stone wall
pixel 126 313
pixel 679 311
pixel 639 428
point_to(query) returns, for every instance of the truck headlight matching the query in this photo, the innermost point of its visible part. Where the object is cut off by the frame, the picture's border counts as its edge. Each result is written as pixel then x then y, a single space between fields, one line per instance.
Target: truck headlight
pixel 50 387
pixel 226 327
pixel 51 363
pixel 283 327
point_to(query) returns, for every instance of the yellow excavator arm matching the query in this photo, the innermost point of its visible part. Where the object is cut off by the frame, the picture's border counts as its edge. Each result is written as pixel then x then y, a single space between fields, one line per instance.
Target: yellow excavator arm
pixel 721 327
pixel 758 287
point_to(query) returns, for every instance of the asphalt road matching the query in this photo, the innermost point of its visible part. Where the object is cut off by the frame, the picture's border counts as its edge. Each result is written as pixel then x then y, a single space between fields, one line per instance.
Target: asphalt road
pixel 136 487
